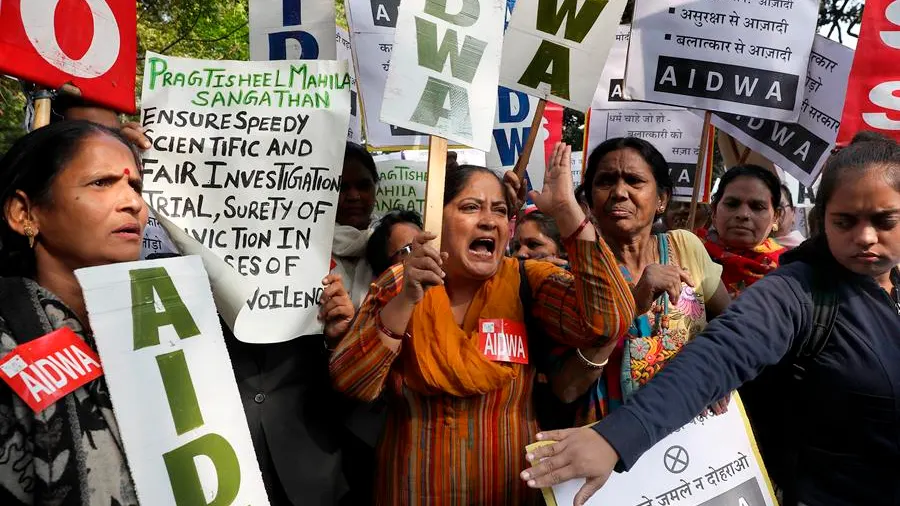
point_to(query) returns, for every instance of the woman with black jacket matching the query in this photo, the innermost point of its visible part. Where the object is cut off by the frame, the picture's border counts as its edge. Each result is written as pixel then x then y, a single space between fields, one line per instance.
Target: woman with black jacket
pixel 843 424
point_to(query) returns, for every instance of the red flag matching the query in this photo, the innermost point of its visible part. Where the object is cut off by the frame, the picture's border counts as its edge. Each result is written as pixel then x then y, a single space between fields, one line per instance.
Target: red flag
pixel 89 43
pixel 873 91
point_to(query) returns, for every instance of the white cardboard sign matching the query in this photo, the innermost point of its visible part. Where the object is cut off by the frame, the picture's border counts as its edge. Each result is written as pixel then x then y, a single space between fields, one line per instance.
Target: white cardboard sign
pixel 802 148
pixel 512 126
pixel 610 92
pixel 292 30
pixel 711 461
pixel 171 382
pixel 555 49
pixel 247 158
pixel 401 185
pixel 444 81
pixel 372 27
pixel 675 133
pixel 745 58
pixel 345 53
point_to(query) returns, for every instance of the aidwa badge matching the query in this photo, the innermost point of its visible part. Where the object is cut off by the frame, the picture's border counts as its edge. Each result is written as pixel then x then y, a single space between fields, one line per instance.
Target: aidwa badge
pixel 89 43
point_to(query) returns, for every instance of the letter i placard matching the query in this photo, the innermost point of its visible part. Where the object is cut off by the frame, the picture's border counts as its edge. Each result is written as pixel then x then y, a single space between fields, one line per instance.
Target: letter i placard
pixel 171 383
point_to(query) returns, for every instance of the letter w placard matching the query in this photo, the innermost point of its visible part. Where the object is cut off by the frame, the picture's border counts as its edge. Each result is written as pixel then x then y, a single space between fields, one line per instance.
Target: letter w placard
pixel 556 49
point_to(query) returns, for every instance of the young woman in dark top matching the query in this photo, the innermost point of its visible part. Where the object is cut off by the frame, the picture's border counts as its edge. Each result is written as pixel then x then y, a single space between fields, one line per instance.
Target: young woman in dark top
pixel 845 417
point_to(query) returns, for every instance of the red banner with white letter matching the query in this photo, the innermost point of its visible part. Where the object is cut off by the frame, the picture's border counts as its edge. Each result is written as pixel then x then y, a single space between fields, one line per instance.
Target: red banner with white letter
pixel 89 43
pixel 873 92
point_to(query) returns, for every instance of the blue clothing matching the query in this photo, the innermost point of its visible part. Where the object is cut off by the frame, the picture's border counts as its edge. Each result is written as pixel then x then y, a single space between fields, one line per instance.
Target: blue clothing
pixel 850 451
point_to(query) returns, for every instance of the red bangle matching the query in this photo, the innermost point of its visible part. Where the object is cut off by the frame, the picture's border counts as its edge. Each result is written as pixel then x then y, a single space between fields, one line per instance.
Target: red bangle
pixel 573 235
pixel 386 331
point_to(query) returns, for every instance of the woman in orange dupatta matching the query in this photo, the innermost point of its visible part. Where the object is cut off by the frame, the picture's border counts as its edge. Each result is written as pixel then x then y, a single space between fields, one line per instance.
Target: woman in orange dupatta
pixel 746 207
pixel 442 337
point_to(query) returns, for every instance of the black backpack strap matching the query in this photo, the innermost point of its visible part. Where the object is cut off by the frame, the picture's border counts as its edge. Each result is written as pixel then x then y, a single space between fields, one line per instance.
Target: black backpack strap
pixel 18 310
pixel 825 309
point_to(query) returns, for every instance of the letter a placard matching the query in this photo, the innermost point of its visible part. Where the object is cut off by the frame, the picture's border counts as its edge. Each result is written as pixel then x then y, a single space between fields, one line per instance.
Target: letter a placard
pixel 555 49
pixel 90 43
pixel 444 82
pixel 172 384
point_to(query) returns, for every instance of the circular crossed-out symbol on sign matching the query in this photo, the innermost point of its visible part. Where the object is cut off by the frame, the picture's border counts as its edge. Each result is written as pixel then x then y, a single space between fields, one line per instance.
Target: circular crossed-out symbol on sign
pixel 676 459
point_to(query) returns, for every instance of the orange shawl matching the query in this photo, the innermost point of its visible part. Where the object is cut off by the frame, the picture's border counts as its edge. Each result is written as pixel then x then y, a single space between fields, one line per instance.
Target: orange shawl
pixel 442 358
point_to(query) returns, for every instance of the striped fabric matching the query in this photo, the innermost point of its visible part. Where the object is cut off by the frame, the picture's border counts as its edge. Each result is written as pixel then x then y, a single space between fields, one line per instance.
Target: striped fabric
pixel 444 450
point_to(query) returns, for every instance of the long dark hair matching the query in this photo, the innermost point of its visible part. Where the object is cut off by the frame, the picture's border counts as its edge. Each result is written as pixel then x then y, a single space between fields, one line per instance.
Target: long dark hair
pixel 458 178
pixel 30 166
pixel 650 154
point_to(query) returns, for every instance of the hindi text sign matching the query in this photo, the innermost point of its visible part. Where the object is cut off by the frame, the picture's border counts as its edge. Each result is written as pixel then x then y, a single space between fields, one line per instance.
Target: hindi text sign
pixel 675 133
pixel 610 92
pixel 746 58
pixel 555 49
pixel 444 82
pixel 171 383
pixel 292 30
pixel 90 44
pixel 801 148
pixel 711 461
pixel 247 158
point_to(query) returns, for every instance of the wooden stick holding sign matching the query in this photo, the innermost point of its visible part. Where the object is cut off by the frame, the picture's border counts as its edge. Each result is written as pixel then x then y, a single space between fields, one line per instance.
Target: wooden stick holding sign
pixel 434 188
pixel 701 162
pixel 43 103
pixel 536 122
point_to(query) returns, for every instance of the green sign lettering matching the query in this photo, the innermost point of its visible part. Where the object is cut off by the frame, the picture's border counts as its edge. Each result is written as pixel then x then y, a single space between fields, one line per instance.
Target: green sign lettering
pixel 180 391
pixel 578 23
pixel 463 62
pixel 549 65
pixel 467 16
pixel 146 320
pixel 186 486
pixel 431 107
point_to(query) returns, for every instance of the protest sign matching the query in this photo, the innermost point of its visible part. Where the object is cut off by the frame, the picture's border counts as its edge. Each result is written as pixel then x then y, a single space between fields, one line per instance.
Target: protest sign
pixel 873 91
pixel 372 25
pixel 512 125
pixel 746 58
pixel 556 63
pixel 711 461
pixel 171 382
pixel 401 185
pixel 247 158
pixel 292 30
pixel 93 48
pixel 447 87
pixel 156 241
pixel 610 92
pixel 676 134
pixel 345 53
pixel 801 148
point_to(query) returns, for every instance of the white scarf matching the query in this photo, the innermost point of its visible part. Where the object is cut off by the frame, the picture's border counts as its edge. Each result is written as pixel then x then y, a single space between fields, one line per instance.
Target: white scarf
pixel 349 250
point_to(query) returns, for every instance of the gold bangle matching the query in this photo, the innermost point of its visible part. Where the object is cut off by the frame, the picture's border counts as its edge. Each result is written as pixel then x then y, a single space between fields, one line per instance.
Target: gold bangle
pixel 386 331
pixel 592 365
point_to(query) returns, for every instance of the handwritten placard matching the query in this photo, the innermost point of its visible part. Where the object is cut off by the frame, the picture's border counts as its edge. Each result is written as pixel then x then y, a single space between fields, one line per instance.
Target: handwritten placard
pixel 401 185
pixel 247 158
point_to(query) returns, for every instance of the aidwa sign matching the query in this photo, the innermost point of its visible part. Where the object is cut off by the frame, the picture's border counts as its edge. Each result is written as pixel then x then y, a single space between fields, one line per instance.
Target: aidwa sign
pixel 873 91
pixel 90 43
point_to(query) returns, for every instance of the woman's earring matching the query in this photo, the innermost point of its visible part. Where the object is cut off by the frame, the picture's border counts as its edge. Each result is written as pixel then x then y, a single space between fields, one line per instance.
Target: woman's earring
pixel 775 228
pixel 30 233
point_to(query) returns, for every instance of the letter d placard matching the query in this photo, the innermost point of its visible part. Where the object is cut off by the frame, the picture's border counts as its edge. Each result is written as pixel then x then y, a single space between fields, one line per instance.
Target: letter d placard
pixel 171 383
pixel 35 47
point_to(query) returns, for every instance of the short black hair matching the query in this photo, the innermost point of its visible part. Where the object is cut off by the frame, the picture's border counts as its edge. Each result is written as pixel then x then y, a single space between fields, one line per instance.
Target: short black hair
pixel 377 255
pixel 767 177
pixel 648 152
pixel 357 152
pixel 31 165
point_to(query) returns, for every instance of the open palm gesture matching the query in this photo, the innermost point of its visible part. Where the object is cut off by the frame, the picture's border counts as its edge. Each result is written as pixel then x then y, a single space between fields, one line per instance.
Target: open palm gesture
pixel 558 195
